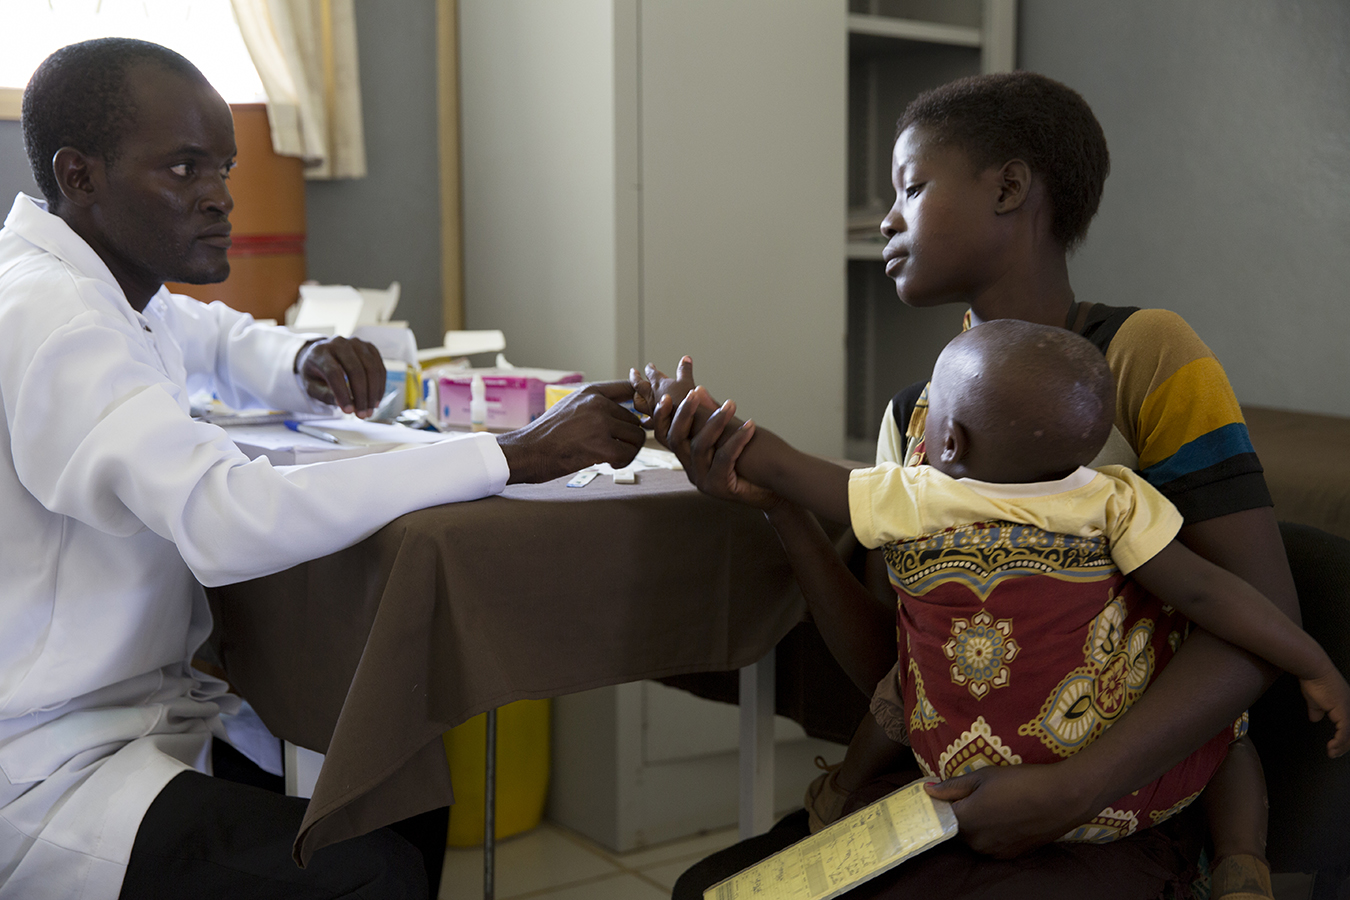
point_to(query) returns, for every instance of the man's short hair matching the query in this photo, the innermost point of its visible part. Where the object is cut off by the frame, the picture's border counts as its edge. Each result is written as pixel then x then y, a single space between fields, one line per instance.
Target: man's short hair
pixel 1022 115
pixel 78 98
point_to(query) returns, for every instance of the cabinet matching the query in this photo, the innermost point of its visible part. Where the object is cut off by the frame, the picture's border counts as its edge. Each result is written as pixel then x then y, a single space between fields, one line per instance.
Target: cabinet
pixel 639 764
pixel 648 178
pixel 898 48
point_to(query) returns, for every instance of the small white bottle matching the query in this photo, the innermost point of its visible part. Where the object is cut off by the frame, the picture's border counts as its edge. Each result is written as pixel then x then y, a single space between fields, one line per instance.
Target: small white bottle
pixel 477 404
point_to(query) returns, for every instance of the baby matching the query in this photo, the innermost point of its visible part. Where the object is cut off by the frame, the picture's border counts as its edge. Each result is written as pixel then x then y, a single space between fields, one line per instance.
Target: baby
pixel 1037 598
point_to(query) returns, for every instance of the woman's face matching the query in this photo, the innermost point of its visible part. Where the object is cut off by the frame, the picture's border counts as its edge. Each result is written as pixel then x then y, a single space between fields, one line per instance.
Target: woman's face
pixel 940 230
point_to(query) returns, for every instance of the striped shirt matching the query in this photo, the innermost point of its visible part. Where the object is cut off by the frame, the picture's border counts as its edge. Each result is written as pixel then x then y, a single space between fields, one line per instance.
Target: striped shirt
pixel 1175 411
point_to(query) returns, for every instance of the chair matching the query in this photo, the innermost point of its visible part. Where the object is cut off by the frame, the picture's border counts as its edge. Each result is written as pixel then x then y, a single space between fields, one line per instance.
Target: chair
pixel 1313 833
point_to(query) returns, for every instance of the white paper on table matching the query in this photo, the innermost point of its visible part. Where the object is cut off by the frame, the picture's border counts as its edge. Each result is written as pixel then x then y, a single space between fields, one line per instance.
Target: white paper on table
pixel 325 306
pixel 393 341
pixel 359 437
pixel 467 343
pixel 378 305
pixel 647 458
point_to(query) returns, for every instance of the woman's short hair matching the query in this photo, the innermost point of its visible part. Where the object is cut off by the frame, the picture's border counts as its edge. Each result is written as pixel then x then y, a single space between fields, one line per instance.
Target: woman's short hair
pixel 1022 115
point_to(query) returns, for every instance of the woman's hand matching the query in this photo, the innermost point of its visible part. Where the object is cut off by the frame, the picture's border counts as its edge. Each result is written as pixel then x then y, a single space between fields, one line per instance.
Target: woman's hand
pixel 1005 811
pixel 709 461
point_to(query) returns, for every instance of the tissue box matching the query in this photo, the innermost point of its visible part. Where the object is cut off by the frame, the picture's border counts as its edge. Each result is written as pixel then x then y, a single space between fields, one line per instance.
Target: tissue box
pixel 515 397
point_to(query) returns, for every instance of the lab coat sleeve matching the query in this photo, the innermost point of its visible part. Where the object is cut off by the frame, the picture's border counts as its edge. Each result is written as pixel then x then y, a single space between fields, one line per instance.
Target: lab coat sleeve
pixel 100 434
pixel 247 365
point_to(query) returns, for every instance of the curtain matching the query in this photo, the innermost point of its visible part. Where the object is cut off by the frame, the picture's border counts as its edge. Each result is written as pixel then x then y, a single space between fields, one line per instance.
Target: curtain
pixel 305 53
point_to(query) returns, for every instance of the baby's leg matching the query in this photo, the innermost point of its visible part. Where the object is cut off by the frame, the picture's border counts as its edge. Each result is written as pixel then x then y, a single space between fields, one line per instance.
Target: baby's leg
pixel 1235 804
pixel 870 754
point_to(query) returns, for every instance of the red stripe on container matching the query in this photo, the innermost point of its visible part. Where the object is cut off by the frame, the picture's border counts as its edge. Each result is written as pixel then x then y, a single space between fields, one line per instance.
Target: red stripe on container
pixel 267 245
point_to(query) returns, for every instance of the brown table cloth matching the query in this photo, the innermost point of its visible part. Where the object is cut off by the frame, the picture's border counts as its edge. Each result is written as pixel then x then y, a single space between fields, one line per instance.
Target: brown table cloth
pixel 369 654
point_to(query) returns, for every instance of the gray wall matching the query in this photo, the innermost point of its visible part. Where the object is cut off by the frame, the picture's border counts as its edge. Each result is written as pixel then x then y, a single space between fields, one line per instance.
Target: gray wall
pixel 387 226
pixel 1229 198
pixel 15 175
pixel 1229 195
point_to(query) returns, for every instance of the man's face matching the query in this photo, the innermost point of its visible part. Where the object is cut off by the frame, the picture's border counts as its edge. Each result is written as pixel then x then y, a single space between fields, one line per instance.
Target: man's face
pixel 163 207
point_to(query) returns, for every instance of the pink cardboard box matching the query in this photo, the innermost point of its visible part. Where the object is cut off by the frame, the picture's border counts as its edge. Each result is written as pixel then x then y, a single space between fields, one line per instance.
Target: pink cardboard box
pixel 515 397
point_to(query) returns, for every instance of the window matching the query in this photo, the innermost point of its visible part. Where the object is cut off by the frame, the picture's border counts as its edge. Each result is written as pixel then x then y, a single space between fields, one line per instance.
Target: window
pixel 202 30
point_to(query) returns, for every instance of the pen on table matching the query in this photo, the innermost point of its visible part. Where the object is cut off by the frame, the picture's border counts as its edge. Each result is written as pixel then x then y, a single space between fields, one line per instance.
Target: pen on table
pixel 311 431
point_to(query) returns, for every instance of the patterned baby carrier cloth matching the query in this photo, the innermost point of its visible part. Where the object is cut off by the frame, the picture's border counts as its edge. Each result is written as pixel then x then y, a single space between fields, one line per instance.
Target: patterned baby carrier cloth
pixel 1017 645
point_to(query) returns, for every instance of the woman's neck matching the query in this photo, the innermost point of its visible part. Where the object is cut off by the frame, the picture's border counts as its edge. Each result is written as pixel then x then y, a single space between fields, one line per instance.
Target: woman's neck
pixel 1035 288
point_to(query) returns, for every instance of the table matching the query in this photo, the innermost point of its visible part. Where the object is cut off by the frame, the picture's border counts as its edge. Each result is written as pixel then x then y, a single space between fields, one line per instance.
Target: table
pixel 369 654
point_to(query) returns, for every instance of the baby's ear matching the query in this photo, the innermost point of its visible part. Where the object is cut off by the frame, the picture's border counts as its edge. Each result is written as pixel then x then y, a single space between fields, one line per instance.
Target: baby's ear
pixel 955 444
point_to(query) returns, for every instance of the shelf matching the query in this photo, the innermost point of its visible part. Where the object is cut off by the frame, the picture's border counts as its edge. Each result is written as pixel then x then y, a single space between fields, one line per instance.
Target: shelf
pixel 914 30
pixel 863 250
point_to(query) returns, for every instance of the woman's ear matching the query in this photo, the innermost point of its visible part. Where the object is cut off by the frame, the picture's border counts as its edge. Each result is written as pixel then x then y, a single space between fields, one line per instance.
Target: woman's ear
pixel 76 174
pixel 1014 185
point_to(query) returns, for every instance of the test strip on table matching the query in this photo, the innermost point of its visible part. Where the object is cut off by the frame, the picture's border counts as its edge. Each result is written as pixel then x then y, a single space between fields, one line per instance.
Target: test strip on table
pixel 581 479
pixel 841 856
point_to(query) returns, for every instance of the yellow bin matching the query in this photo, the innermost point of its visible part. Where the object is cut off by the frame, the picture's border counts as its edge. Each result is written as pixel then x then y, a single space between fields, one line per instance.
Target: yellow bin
pixel 522 771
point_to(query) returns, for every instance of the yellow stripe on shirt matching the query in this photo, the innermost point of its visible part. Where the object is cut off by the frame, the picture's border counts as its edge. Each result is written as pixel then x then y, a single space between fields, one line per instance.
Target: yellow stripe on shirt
pixel 1210 401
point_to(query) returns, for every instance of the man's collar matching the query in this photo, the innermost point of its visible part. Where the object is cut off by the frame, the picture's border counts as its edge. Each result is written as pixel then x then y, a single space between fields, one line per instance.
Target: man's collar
pixel 30 220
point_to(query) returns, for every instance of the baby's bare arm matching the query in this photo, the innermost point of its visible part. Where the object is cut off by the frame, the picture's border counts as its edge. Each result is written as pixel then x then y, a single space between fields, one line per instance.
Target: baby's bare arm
pixel 1228 607
pixel 1225 605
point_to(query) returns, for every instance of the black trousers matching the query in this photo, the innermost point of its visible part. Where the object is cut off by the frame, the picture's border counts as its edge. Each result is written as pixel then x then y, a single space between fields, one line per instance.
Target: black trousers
pixel 230 836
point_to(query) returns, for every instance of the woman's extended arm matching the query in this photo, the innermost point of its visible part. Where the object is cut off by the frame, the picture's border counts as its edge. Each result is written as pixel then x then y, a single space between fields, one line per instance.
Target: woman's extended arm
pixel 857 627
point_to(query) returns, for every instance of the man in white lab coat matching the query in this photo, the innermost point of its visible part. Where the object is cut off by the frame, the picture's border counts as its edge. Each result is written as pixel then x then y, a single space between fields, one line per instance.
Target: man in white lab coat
pixel 116 503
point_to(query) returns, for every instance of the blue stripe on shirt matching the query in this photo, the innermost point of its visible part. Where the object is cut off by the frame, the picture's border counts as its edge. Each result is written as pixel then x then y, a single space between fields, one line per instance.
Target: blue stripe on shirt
pixel 1201 453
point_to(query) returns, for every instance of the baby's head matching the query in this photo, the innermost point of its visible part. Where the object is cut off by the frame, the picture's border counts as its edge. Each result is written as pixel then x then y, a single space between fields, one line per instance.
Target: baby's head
pixel 1013 401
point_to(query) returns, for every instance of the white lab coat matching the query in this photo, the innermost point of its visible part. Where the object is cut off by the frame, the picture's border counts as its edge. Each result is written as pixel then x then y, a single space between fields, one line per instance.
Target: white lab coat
pixel 111 500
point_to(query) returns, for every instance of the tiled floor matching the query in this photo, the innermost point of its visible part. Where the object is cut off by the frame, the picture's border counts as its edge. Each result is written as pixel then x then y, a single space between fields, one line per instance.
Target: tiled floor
pixel 553 863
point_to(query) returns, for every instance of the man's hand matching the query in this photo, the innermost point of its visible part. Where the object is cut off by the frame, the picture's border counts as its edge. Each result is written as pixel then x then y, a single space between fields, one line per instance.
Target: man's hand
pixel 345 372
pixel 1004 811
pixel 584 428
